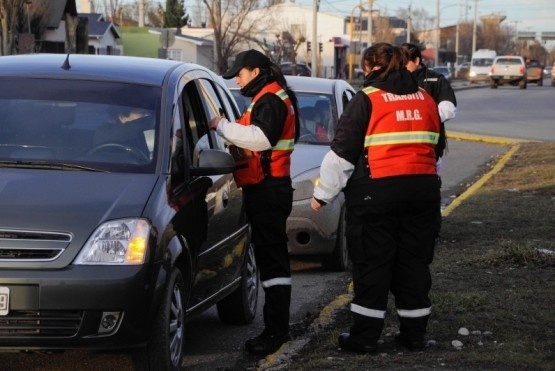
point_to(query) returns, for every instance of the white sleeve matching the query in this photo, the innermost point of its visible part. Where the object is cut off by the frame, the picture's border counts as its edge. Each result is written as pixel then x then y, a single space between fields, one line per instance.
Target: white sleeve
pixel 334 174
pixel 447 110
pixel 249 137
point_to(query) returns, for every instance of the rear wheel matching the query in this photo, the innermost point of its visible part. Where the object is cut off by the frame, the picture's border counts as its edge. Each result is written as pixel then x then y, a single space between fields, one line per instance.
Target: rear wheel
pixel 240 306
pixel 338 260
pixel 493 84
pixel 165 348
pixel 540 81
pixel 522 84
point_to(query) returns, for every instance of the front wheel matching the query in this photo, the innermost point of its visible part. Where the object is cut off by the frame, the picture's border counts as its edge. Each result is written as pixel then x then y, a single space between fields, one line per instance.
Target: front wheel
pixel 240 306
pixel 165 348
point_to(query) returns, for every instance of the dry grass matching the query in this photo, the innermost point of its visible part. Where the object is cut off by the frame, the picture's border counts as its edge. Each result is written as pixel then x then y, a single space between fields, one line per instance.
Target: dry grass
pixel 492 275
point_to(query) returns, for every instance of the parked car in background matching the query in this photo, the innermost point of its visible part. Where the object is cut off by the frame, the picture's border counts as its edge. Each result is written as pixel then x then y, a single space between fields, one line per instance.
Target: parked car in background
pixel 508 69
pixel 553 75
pixel 445 71
pixel 297 69
pixel 534 71
pixel 462 70
pixel 114 233
pixel 321 103
pixel 358 73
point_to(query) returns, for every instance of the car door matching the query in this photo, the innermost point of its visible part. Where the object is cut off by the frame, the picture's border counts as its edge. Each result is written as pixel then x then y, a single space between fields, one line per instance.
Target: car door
pixel 219 253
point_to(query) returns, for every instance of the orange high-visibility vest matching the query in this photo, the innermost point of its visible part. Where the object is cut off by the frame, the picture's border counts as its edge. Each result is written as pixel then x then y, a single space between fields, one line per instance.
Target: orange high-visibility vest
pixel 249 169
pixel 402 133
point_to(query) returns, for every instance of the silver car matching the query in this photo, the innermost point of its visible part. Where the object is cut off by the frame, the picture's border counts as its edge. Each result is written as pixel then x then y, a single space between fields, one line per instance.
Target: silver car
pixel 321 103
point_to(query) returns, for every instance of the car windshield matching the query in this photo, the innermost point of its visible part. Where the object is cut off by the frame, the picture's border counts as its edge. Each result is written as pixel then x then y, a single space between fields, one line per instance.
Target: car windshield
pixel 316 113
pixel 104 126
pixel 482 62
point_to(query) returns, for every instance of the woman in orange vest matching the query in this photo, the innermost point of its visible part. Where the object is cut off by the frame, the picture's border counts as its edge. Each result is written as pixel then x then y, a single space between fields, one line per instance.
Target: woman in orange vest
pixel 382 157
pixel 262 142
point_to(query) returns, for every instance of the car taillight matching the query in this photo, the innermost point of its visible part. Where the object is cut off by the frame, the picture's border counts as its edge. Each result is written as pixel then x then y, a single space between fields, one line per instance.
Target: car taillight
pixel 492 70
pixel 521 69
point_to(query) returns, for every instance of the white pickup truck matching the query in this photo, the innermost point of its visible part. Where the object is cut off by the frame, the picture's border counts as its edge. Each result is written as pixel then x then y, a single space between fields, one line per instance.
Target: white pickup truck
pixel 508 69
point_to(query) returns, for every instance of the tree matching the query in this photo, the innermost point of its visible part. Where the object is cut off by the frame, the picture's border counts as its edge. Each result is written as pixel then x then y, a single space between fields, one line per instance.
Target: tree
pixel 175 15
pixel 231 27
pixel 10 14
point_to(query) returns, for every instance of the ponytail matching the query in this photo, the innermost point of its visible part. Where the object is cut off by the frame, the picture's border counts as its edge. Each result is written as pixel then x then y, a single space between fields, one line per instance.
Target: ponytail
pixel 386 57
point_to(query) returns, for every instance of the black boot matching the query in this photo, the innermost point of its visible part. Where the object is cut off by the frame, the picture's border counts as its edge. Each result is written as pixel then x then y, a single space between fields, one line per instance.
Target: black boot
pixel 266 343
pixel 347 343
pixel 411 332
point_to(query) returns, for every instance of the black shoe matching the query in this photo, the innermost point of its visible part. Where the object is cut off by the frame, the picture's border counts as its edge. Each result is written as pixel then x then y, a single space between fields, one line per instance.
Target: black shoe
pixel 411 343
pixel 266 343
pixel 345 342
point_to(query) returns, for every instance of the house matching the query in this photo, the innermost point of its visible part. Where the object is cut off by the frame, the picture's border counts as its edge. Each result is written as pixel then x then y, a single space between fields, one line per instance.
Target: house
pixel 194 45
pixel 83 33
pixel 103 37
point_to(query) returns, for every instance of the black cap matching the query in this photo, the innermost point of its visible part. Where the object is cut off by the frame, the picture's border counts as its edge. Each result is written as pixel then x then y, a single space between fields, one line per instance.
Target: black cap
pixel 248 58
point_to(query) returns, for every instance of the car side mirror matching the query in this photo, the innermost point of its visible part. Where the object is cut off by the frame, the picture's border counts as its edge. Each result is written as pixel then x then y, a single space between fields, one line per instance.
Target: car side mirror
pixel 213 162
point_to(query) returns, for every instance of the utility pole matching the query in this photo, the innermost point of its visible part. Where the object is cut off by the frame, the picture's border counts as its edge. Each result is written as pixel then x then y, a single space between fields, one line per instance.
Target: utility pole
pixel 437 34
pixel 409 22
pixel 314 60
pixel 474 26
pixel 370 4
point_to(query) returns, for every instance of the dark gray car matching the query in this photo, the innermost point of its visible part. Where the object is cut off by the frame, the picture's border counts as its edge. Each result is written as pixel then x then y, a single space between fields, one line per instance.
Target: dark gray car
pixel 119 215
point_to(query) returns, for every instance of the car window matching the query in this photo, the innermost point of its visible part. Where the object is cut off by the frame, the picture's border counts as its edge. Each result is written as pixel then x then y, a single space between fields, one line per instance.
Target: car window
pixel 102 125
pixel 317 116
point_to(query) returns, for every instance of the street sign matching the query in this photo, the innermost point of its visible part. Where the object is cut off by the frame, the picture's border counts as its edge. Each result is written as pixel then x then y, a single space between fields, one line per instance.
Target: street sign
pixel 167 38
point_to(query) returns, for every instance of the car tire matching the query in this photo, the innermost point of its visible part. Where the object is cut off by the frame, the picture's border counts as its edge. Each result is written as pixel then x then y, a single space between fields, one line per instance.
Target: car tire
pixel 338 260
pixel 493 84
pixel 540 82
pixel 240 306
pixel 165 348
pixel 522 84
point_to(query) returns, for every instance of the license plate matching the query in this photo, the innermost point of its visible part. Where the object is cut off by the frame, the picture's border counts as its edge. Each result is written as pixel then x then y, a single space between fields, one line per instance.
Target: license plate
pixel 4 300
pixel 506 77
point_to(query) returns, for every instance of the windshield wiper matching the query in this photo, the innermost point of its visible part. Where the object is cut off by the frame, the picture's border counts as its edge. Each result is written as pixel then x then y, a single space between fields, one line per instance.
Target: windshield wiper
pixel 47 165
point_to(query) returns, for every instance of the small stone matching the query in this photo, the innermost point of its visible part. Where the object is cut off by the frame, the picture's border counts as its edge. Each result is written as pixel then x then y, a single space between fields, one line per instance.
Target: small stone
pixel 457 344
pixel 431 343
pixel 488 333
pixel 464 331
pixel 476 332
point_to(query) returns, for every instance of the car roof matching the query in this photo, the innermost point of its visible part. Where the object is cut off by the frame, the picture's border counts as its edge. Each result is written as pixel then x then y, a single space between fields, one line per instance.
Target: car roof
pixel 140 70
pixel 306 84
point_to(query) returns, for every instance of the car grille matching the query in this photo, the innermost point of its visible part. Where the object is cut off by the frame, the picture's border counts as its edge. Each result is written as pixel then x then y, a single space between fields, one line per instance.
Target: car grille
pixel 40 324
pixel 17 245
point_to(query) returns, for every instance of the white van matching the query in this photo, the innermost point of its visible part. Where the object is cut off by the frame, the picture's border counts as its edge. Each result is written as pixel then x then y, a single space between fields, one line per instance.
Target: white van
pixel 480 65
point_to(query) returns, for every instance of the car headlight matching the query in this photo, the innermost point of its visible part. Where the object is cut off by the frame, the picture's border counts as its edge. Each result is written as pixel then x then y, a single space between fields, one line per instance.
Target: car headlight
pixel 117 242
pixel 304 184
pixel 472 74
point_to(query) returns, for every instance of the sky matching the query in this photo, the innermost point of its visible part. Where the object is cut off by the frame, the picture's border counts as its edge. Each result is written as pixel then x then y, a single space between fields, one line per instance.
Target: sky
pixel 526 15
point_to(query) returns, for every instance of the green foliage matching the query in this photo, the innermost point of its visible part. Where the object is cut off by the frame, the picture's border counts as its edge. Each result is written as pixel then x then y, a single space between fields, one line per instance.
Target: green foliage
pixel 175 16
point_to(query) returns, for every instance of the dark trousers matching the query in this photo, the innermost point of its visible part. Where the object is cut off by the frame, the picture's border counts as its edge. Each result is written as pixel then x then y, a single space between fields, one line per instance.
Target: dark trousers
pixel 267 206
pixel 391 245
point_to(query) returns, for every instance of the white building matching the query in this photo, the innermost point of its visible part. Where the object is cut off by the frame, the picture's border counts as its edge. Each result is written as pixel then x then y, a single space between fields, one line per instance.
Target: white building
pixel 297 20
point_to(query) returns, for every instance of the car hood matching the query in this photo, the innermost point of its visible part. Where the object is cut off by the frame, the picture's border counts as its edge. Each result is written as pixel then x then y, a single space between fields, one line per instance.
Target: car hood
pixel 68 202
pixel 306 157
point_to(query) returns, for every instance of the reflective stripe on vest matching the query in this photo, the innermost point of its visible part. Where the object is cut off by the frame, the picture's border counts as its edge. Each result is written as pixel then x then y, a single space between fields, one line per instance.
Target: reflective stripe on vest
pixel 401 134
